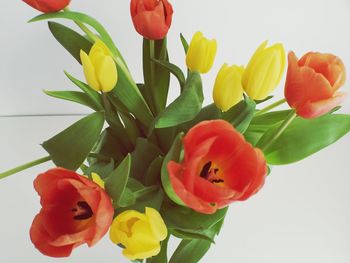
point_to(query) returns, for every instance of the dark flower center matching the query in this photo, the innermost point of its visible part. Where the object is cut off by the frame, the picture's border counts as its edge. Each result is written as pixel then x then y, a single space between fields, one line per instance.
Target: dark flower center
pixel 82 211
pixel 211 174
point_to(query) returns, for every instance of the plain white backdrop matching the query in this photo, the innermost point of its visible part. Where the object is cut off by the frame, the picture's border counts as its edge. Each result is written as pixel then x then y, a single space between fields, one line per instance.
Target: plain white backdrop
pixel 301 215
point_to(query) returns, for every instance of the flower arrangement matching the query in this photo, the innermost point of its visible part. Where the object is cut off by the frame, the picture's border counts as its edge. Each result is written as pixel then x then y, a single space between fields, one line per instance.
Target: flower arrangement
pixel 158 170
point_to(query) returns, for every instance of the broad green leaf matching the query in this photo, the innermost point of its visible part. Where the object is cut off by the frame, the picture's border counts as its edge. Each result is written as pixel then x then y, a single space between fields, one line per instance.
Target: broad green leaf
pixel 241 114
pixel 87 90
pixel 75 96
pixel 162 257
pixel 184 218
pixel 103 169
pixel 184 42
pixel 304 137
pixel 192 251
pixel 83 18
pixel 186 106
pixel 188 234
pixel 70 40
pixel 270 118
pixel 173 69
pixel 70 148
pixel 173 155
pixel 143 155
pixel 154 171
pixel 116 182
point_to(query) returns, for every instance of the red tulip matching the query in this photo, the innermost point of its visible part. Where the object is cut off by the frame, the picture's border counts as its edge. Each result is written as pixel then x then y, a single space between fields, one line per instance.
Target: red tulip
pixel 74 211
pixel 312 83
pixel 48 6
pixel 219 167
pixel 151 18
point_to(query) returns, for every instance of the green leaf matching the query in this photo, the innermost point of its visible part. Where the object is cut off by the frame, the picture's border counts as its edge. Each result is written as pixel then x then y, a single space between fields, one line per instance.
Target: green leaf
pixel 103 169
pixel 75 96
pixel 70 148
pixel 143 155
pixel 116 182
pixel 95 97
pixel 70 40
pixel 184 42
pixel 154 171
pixel 304 137
pixel 270 118
pixel 192 251
pixel 241 114
pixel 173 155
pixel 188 234
pixel 83 18
pixel 184 218
pixel 186 106
pixel 173 69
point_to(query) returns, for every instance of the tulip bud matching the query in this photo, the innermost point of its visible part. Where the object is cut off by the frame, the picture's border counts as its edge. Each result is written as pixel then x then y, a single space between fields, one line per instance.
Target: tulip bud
pixel 99 67
pixel 201 53
pixel 228 90
pixel 139 234
pixel 151 18
pixel 264 71
pixel 48 6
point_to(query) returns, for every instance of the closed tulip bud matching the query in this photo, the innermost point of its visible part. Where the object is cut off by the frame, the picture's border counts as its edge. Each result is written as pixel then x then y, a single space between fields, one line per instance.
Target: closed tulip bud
pixel 228 90
pixel 99 68
pixel 48 6
pixel 264 71
pixel 151 18
pixel 139 233
pixel 201 53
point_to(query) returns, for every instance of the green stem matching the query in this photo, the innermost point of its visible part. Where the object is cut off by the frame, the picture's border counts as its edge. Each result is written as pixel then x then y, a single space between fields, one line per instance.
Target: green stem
pixel 85 29
pixel 274 136
pixel 24 167
pixel 270 107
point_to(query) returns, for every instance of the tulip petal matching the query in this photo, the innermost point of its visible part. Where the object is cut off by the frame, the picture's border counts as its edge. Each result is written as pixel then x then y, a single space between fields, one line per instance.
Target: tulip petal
pixel 107 74
pixel 316 109
pixel 89 71
pixel 211 192
pixel 187 197
pixel 157 224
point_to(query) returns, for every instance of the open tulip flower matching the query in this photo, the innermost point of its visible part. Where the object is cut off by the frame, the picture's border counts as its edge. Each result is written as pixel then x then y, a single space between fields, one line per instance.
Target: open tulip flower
pixel 155 169
pixel 74 211
pixel 219 167
pixel 313 82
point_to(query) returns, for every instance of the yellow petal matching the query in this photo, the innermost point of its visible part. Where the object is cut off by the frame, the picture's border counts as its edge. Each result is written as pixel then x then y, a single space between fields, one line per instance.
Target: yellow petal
pixel 228 90
pixel 97 179
pixel 98 47
pixel 107 74
pixel 89 71
pixel 157 224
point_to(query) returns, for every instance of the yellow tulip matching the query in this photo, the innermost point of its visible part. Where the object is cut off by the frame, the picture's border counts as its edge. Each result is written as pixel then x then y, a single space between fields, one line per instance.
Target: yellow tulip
pixel 99 68
pixel 140 234
pixel 228 90
pixel 97 179
pixel 264 71
pixel 201 53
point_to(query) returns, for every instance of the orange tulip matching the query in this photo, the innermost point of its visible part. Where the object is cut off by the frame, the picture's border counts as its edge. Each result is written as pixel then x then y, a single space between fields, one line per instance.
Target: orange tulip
pixel 48 6
pixel 312 83
pixel 219 167
pixel 151 18
pixel 74 211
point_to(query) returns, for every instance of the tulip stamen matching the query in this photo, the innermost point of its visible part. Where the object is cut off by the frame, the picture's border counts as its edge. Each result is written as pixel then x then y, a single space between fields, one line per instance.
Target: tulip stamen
pixel 210 173
pixel 82 211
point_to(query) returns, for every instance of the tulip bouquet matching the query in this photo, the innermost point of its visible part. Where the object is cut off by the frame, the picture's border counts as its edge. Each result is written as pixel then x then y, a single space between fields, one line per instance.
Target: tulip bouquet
pixel 145 170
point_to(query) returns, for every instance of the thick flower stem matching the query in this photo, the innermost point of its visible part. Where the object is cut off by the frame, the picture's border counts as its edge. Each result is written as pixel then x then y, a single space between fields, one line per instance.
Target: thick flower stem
pixel 270 107
pixel 274 136
pixel 24 167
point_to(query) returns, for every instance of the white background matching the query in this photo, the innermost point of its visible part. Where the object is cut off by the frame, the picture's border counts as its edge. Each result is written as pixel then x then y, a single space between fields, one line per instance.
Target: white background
pixel 301 215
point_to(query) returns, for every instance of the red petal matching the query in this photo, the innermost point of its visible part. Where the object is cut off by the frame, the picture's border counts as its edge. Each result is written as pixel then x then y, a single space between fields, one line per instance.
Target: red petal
pixel 187 197
pixel 315 109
